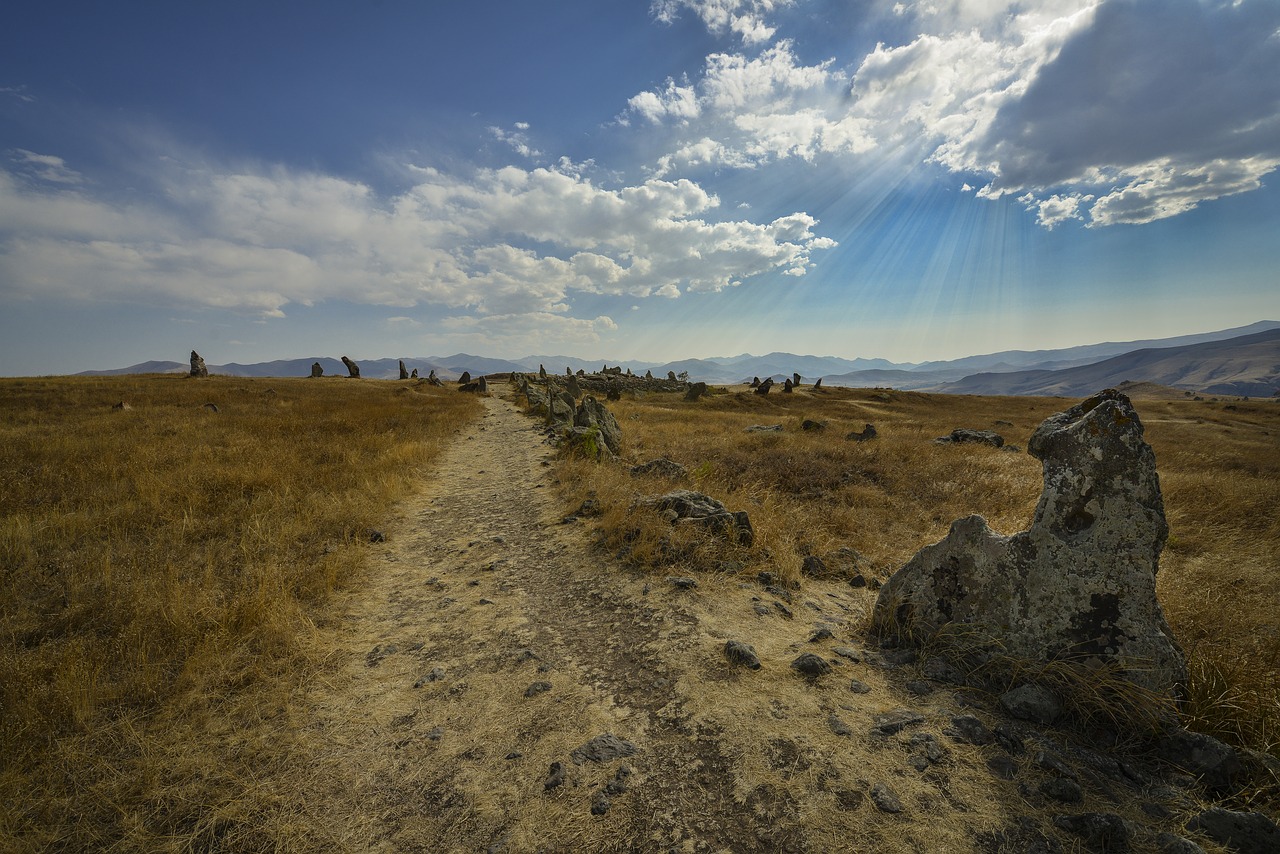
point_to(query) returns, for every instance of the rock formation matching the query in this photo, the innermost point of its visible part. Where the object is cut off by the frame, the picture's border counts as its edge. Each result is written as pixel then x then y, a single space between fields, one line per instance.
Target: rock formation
pixel 764 387
pixel 353 370
pixel 671 375
pixel 571 386
pixel 795 379
pixel 687 507
pixel 787 386
pixel 197 365
pixel 413 375
pixel 465 378
pixel 591 415
pixel 317 370
pixel 482 385
pixel 962 435
pixel 817 385
pixel 868 432
pixel 1079 584
pixel 433 379
pixel 404 375
pixel 696 391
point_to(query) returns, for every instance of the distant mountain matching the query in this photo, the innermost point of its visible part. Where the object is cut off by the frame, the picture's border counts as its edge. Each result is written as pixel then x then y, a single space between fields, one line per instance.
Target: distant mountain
pixel 141 368
pixel 1245 365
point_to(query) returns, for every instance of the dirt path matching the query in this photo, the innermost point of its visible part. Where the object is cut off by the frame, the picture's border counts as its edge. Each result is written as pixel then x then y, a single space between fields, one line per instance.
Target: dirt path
pixel 492 641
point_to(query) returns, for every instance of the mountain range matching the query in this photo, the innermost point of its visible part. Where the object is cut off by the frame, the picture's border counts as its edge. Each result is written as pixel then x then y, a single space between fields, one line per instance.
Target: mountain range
pixel 1240 361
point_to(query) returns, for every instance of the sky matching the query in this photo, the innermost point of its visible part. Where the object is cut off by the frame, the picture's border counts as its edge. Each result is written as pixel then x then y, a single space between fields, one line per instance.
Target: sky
pixel 631 179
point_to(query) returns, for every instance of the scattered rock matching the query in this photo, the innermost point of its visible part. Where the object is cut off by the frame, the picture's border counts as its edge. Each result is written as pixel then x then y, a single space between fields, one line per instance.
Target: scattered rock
pixel 660 468
pixel 1169 843
pixel 1100 831
pixel 821 633
pixel 918 687
pixel 695 508
pixel 1062 790
pixel 811 665
pixel 353 370
pixel 1031 702
pixel 603 748
pixel 859 687
pixel 1003 767
pixel 682 582
pixel 962 435
pixel 895 721
pixel 925 751
pixel 121 406
pixel 868 432
pixel 940 669
pixel 848 652
pixel 970 730
pixel 811 426
pixel 600 803
pixel 376 536
pixel 555 777
pixel 838 726
pixel 1215 764
pixel 885 799
pixel 618 785
pixel 211 407
pixel 1238 831
pixel 764 428
pixel 742 653
pixel 197 366
pixel 1081 579
pixel 537 688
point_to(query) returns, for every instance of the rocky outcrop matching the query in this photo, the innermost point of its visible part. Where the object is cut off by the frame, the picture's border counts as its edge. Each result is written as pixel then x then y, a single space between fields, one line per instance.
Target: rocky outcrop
pixel 1079 584
pixel 353 370
pixel 197 365
pixel 317 370
pixel 693 508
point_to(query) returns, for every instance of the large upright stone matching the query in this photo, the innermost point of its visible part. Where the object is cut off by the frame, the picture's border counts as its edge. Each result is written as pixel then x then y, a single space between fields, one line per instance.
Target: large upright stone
pixel 317 370
pixel 591 413
pixel 353 370
pixel 1080 583
pixel 197 365
pixel 404 374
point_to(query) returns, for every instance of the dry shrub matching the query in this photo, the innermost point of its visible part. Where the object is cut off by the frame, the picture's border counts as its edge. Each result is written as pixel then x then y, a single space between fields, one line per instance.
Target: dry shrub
pixel 814 492
pixel 163 569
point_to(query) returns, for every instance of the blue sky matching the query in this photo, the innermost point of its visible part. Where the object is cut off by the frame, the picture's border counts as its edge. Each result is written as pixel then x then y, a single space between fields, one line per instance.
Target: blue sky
pixel 631 180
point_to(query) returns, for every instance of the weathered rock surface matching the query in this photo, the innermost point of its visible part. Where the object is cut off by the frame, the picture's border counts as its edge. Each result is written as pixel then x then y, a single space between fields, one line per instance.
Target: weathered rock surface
pixel 603 748
pixel 661 468
pixel 696 391
pixel 687 507
pixel 465 378
pixel 1079 584
pixel 197 365
pixel 868 432
pixel 962 435
pixel 591 414
pixel 764 387
pixel 404 374
pixel 743 654
pixel 1238 831
pixel 353 370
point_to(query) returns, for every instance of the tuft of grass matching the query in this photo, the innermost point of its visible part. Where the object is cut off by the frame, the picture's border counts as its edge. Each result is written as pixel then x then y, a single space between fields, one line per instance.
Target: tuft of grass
pixel 816 492
pixel 164 569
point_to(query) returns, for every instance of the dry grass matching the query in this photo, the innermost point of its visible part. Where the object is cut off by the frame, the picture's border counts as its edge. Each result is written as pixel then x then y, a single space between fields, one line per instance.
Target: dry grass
pixel 164 568
pixel 815 492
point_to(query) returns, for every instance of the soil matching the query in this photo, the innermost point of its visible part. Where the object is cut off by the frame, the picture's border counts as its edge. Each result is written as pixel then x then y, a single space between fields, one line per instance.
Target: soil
pixel 429 730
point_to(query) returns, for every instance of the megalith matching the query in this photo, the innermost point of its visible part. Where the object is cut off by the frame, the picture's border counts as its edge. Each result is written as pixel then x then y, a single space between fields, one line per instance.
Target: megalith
pixel 592 414
pixel 197 365
pixel 353 370
pixel 317 370
pixel 1080 583
pixel 404 374
pixel 696 390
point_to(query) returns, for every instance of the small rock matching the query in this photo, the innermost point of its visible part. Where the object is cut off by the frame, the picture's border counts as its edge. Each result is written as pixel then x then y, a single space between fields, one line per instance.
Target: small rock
pixel 599 803
pixel 762 610
pixel 764 428
pixel 742 653
pixel 895 721
pixel 811 665
pixel 820 634
pixel 918 687
pixel 859 687
pixel 783 610
pixel 436 733
pixel 1216 764
pixel 515 754
pixel 555 777
pixel 660 468
pixel 1169 843
pixel 1239 831
pixel 813 565
pixel 618 785
pixel 1100 831
pixel 376 536
pixel 848 652
pixel 602 748
pixel 1003 767
pixel 868 433
pixel 1062 789
pixel 812 426
pixel 968 729
pixel 1050 762
pixel 1031 702
pixel 885 799
pixel 961 435
pixel 838 726
pixel 682 582
pixel 537 688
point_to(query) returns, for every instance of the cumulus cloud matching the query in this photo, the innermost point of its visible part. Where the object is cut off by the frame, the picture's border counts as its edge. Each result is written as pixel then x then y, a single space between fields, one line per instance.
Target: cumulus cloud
pixel 518 139
pixel 1123 111
pixel 745 19
pixel 499 243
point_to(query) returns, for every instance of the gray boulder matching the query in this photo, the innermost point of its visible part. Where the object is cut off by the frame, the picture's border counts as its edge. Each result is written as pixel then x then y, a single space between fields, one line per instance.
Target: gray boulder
pixel 404 374
pixel 764 387
pixel 317 370
pixel 571 386
pixel 465 378
pixel 661 468
pixel 592 415
pixel 353 370
pixel 197 365
pixel 962 435
pixel 482 385
pixel 687 507
pixel 1079 584
pixel 696 391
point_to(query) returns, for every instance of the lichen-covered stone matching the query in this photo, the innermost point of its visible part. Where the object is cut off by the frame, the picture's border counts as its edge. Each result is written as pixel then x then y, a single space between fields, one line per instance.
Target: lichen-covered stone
pixel 592 414
pixel 1079 584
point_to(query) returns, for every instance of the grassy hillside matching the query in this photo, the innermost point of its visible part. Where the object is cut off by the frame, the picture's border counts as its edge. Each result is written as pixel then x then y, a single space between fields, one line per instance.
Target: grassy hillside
pixel 164 568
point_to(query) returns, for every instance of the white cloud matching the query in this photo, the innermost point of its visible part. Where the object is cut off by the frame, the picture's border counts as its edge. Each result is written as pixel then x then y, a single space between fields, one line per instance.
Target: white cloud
pixel 743 18
pixel 675 101
pixel 504 243
pixel 45 167
pixel 517 139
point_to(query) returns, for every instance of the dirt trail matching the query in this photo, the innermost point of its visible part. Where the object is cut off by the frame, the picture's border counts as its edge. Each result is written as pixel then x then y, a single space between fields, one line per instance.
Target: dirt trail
pixel 492 641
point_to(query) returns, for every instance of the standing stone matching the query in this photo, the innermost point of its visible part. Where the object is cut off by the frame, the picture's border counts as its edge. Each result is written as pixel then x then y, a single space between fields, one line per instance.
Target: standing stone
pixel 787 387
pixel 568 371
pixel 353 370
pixel 581 373
pixel 795 379
pixel 197 365
pixel 648 375
pixel 696 391
pixel 764 387
pixel 433 379
pixel 465 378
pixel 818 384
pixel 317 370
pixel 404 375
pixel 542 372
pixel 414 374
pixel 571 386
pixel 755 382
pixel 482 385
pixel 671 375
pixel 591 414
pixel 1080 583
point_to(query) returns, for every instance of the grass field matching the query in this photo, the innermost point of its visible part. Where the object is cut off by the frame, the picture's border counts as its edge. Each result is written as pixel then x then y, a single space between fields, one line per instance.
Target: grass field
pixel 815 492
pixel 164 566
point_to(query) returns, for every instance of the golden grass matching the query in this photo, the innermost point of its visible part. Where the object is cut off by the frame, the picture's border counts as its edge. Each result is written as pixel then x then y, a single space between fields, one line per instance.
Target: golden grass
pixel 814 492
pixel 163 569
